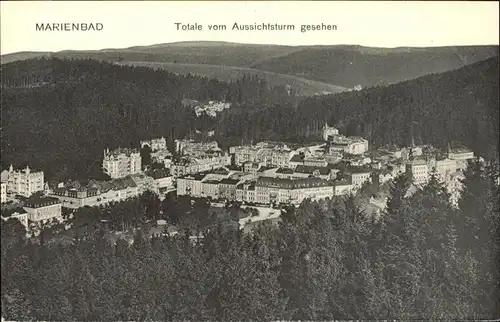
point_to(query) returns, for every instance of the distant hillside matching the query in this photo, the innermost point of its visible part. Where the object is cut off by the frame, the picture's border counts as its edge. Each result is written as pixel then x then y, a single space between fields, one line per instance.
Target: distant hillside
pixel 370 67
pixel 210 53
pixel 340 65
pixel 301 86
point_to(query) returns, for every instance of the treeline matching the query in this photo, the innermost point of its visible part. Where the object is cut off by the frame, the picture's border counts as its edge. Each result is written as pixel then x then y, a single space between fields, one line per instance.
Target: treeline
pixel 88 105
pixel 423 259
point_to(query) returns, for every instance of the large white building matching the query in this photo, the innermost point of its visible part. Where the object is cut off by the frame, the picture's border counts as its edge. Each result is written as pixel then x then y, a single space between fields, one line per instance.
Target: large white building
pixel 329 132
pixel 418 170
pixel 352 145
pixel 16 213
pixel 4 192
pixel 462 155
pixel 121 162
pixel 98 193
pixel 445 168
pixel 43 210
pixel 195 148
pixel 291 191
pixel 359 176
pixel 24 182
pixel 265 153
pixel 158 144
pixel 191 165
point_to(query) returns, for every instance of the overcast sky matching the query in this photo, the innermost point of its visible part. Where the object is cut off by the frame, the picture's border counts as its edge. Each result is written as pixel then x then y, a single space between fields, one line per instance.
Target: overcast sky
pixel 127 23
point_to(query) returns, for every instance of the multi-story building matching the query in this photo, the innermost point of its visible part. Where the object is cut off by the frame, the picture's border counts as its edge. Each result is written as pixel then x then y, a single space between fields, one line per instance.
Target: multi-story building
pixel 311 161
pixel 251 167
pixel 304 171
pixel 24 182
pixel 4 192
pixel 158 144
pixel 227 188
pixel 97 193
pixel 162 156
pixel 245 192
pixel 210 189
pixel 462 155
pixel 352 145
pixel 342 188
pixel 195 148
pixel 191 185
pixel 190 165
pixel 163 180
pixel 265 153
pixel 359 176
pixel 16 213
pixel 415 151
pixel 290 191
pixel 121 162
pixel 43 210
pixel 144 183
pixel 445 168
pixel 244 153
pixel 329 132
pixel 418 171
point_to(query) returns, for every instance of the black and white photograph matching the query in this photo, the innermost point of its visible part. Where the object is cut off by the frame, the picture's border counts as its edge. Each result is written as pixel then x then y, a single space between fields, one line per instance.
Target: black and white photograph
pixel 250 161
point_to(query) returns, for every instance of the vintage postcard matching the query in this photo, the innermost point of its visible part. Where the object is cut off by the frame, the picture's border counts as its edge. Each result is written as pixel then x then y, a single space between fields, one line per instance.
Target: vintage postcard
pixel 249 160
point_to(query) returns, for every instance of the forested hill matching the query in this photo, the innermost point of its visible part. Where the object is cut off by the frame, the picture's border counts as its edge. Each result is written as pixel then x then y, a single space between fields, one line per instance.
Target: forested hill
pixel 351 65
pixel 340 65
pixel 59 115
pixel 460 105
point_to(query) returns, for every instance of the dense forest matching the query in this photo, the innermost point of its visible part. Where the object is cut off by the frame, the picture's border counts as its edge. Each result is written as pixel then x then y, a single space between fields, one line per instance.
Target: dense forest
pixel 422 259
pixel 457 106
pixel 59 115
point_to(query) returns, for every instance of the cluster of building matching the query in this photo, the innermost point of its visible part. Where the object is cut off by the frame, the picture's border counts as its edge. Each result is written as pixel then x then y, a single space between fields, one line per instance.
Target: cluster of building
pixel 195 157
pixel 211 108
pixel 266 173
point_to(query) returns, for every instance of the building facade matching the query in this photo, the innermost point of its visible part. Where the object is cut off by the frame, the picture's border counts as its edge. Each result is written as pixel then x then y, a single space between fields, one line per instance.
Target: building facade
pixel 121 162
pixel 24 182
pixel 43 210
pixel 4 192
pixel 329 132
pixel 158 144
pixel 418 171
pixel 97 193
pixel 291 191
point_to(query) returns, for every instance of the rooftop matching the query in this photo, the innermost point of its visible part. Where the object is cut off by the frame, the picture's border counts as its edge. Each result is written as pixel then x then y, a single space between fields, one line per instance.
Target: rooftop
pixel 285 171
pixel 291 183
pixel 159 173
pixel 212 181
pixel 38 202
pixel 229 181
pixel 10 211
pixel 311 169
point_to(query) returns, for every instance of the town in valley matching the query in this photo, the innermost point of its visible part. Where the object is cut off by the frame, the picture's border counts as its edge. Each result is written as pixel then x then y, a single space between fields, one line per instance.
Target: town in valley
pixel 265 175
